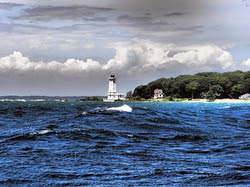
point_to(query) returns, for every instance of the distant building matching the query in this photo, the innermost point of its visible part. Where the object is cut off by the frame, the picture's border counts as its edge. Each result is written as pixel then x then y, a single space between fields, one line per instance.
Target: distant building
pixel 245 96
pixel 112 93
pixel 158 93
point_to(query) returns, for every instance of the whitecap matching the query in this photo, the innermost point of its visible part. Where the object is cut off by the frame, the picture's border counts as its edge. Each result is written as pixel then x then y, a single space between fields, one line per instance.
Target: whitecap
pixel 225 107
pixel 130 135
pixel 13 100
pixel 43 131
pixel 123 108
pixel 60 100
pixel 35 100
pixel 21 100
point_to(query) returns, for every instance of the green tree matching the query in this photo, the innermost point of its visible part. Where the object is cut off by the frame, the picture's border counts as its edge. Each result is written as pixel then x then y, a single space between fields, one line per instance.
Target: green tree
pixel 246 86
pixel 192 87
pixel 216 89
pixel 226 84
pixel 235 77
pixel 237 90
pixel 247 75
pixel 129 95
pixel 211 84
pixel 214 92
pixel 139 91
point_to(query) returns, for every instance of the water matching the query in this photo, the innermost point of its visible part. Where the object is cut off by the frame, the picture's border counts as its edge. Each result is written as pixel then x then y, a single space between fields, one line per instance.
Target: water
pixel 123 144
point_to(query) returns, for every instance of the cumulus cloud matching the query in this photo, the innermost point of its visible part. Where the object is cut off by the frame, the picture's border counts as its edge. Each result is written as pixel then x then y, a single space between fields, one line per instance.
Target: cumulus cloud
pixel 148 57
pixel 20 75
pixel 135 64
pixel 133 58
pixel 246 63
pixel 18 62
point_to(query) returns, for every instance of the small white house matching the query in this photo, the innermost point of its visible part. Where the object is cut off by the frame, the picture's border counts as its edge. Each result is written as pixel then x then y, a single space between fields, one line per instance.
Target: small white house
pixel 158 93
pixel 245 96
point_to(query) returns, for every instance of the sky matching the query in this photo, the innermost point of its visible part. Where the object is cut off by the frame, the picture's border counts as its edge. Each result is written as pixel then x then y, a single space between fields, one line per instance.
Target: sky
pixel 70 47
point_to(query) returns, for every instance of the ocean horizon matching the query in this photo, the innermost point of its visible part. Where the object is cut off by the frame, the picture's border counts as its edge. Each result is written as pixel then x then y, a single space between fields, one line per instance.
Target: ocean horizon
pixel 41 97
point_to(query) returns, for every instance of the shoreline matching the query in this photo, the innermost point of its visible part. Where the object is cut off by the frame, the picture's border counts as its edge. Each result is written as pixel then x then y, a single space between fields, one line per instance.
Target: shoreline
pixel 221 101
pixel 206 101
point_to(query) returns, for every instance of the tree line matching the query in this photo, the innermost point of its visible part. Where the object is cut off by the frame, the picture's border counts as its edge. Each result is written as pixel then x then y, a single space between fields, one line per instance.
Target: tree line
pixel 209 85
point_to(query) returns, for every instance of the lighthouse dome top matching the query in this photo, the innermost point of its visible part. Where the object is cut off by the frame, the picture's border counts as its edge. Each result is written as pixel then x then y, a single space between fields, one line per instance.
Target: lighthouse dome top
pixel 112 77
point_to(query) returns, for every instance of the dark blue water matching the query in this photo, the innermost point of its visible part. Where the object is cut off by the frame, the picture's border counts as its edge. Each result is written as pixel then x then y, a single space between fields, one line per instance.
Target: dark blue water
pixel 87 143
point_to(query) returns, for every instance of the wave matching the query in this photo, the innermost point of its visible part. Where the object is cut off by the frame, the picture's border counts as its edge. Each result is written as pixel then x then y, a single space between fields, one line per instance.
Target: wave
pixel 105 136
pixel 189 137
pixel 13 100
pixel 123 108
pixel 16 182
pixel 74 133
pixel 22 100
pixel 37 100
pixel 225 107
pixel 105 111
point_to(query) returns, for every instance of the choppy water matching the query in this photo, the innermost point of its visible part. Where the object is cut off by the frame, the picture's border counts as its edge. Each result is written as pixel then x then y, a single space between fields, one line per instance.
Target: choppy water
pixel 137 144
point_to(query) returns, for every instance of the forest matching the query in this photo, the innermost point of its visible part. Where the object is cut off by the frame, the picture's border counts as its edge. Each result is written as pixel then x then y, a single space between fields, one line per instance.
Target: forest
pixel 209 85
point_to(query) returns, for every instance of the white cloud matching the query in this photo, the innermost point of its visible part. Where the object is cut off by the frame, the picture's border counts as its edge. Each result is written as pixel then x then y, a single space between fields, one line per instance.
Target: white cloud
pixel 209 56
pixel 138 58
pixel 246 63
pixel 135 63
pixel 17 61
pixel 228 46
pixel 19 75
pixel 147 56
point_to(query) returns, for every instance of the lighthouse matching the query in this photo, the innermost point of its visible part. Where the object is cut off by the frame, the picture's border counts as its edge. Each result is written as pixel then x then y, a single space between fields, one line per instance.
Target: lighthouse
pixel 112 93
pixel 112 84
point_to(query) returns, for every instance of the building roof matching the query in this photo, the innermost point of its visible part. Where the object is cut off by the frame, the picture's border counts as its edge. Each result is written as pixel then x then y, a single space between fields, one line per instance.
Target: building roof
pixel 158 90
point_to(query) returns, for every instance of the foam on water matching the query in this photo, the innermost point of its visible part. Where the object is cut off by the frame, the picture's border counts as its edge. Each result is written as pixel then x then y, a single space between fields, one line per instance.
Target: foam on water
pixel 123 108
pixel 13 100
pixel 225 107
pixel 41 132
pixel 37 100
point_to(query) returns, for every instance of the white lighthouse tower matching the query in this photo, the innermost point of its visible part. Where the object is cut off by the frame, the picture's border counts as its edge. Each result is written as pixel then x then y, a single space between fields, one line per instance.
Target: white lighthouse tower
pixel 112 85
pixel 112 93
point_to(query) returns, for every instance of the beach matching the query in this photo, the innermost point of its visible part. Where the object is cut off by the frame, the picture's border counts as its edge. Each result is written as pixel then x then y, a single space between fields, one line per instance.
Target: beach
pixel 207 101
pixel 221 100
